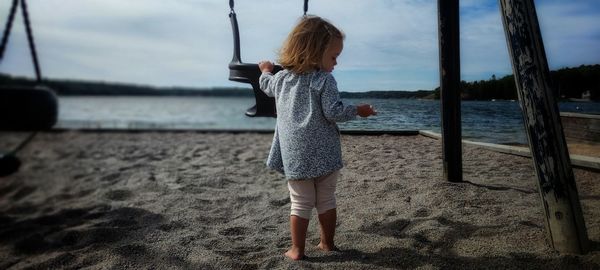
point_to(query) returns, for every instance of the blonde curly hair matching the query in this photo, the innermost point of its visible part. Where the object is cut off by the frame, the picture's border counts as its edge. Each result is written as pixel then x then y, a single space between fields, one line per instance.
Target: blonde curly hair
pixel 303 49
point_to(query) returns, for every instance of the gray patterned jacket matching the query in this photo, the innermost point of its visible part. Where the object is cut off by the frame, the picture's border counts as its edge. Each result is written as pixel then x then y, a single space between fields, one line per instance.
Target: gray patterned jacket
pixel 306 143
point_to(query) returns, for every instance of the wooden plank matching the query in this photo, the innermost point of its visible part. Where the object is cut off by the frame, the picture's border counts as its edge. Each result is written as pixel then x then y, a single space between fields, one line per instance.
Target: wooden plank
pixel 580 161
pixel 565 226
pixel 448 33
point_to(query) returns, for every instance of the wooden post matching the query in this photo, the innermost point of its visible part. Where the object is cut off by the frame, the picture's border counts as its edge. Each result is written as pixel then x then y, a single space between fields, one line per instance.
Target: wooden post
pixel 565 226
pixel 448 33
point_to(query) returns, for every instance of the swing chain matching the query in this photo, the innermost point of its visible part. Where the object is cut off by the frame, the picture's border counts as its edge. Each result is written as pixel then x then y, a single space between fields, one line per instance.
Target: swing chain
pixel 31 41
pixel 305 7
pixel 231 4
pixel 7 28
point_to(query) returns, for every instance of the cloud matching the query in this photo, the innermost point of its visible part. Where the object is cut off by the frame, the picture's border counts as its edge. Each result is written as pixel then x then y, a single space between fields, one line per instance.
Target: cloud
pixel 389 45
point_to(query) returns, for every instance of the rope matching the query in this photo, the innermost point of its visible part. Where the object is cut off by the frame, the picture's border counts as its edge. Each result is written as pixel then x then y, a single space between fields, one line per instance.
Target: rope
pixel 31 42
pixel 7 28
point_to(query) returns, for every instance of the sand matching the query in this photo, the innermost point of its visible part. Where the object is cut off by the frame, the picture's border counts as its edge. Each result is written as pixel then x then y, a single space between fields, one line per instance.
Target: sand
pixel 188 200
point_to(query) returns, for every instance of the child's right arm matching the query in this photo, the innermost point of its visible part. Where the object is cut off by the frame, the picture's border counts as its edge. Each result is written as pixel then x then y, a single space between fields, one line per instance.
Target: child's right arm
pixel 335 110
pixel 266 68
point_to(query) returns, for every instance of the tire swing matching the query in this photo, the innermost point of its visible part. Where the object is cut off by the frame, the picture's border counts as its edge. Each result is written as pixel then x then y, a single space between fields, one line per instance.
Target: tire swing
pixel 24 107
pixel 250 73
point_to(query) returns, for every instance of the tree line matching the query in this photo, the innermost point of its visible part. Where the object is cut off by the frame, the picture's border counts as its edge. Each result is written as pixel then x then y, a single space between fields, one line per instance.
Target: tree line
pixel 567 83
pixel 95 88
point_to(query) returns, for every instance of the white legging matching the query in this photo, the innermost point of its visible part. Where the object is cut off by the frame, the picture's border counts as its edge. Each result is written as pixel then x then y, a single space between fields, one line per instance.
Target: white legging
pixel 316 192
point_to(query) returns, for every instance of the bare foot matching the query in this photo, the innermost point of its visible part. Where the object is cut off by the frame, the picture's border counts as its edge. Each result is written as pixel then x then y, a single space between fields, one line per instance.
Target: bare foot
pixel 327 247
pixel 294 254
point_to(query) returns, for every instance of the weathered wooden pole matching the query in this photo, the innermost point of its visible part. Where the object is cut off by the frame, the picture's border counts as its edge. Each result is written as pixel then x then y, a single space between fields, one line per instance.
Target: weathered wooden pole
pixel 448 34
pixel 565 226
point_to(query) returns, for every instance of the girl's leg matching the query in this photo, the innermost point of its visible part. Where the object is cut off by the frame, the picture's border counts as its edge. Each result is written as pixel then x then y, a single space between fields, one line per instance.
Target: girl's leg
pixel 302 198
pixel 326 207
pixel 327 221
pixel 298 228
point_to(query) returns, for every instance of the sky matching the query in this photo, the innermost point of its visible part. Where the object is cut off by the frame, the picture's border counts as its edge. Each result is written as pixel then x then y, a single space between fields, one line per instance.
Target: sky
pixel 389 45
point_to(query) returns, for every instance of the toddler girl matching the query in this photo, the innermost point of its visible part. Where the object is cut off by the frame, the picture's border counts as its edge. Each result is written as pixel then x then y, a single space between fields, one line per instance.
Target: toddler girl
pixel 306 144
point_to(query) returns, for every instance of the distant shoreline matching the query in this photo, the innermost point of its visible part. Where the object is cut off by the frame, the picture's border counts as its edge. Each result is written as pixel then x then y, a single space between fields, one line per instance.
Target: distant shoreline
pixel 88 88
pixel 576 84
pixel 248 93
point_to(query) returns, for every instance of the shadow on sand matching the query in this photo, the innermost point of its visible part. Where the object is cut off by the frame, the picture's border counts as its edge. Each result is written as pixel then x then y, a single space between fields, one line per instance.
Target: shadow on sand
pixel 125 232
pixel 439 253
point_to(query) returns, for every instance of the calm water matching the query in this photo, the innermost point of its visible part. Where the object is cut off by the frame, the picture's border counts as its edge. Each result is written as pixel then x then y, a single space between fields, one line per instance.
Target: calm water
pixel 497 122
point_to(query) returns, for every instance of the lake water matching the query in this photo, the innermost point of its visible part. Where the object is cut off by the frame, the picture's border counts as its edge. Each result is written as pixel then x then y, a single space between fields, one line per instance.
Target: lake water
pixel 486 121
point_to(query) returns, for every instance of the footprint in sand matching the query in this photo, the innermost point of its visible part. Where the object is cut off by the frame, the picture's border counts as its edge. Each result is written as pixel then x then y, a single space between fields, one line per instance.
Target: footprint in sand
pixel 280 202
pixel 118 195
pixel 132 250
pixel 172 226
pixel 111 178
pixel 234 231
pixel 394 228
pixel 247 156
pixel 422 213
pixel 58 262
pixel 268 228
pixel 32 244
pixel 8 189
pixel 23 192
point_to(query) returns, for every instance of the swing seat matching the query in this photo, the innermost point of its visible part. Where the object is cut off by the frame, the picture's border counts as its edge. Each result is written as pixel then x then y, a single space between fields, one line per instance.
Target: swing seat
pixel 250 73
pixel 26 108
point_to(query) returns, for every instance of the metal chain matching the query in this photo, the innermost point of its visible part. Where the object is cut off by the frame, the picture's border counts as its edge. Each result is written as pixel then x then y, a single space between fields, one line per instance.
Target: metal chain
pixel 231 4
pixel 31 42
pixel 7 28
pixel 305 7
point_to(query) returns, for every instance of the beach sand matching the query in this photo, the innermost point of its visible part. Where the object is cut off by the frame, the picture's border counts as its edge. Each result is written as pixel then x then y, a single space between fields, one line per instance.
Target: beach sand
pixel 190 200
